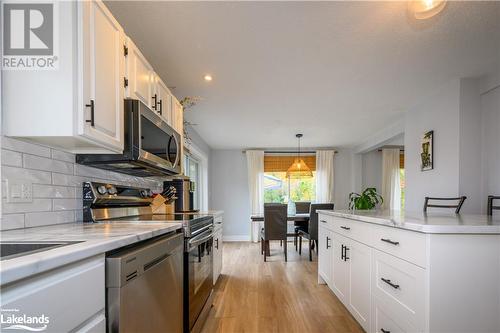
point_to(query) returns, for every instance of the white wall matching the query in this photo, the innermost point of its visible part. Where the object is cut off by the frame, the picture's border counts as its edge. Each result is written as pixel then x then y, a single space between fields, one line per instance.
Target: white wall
pixel 372 170
pixel 229 192
pixel 441 114
pixel 490 111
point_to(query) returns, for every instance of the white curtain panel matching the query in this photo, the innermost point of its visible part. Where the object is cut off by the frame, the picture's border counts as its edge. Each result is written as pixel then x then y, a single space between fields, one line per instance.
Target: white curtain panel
pixel 324 176
pixel 391 182
pixel 255 163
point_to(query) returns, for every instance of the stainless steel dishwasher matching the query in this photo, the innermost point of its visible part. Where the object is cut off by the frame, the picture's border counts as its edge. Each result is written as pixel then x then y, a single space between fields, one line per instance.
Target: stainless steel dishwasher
pixel 144 286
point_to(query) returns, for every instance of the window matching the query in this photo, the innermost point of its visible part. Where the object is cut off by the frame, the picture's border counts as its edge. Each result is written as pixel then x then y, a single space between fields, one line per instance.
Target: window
pixel 192 170
pixel 277 186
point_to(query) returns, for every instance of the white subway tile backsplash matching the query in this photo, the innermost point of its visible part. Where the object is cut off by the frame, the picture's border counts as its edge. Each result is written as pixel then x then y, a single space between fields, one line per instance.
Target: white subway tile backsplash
pixel 51 191
pixel 67 180
pixel 47 218
pixel 34 176
pixel 67 204
pixel 11 221
pixel 62 156
pixel 57 184
pixel 12 158
pixel 47 164
pixel 38 205
pixel 25 147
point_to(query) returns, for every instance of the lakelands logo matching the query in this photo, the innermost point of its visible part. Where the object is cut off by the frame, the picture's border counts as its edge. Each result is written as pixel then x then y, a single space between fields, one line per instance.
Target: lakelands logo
pixel 12 319
pixel 29 35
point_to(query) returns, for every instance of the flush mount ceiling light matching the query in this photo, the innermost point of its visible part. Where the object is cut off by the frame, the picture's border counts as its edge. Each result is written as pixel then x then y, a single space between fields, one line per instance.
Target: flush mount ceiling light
pixel 299 168
pixel 207 77
pixel 424 9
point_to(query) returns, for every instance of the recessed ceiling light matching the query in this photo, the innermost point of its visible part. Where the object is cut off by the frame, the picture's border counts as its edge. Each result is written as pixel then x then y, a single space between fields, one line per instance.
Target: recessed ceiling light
pixel 424 9
pixel 208 77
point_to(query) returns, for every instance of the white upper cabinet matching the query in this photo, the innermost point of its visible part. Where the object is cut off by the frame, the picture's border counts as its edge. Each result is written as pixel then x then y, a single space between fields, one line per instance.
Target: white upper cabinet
pixel 103 74
pixel 139 75
pixel 163 99
pixel 77 107
pixel 177 116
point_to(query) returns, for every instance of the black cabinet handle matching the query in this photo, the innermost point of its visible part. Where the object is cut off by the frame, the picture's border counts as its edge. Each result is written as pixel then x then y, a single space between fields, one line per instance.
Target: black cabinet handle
pixel 345 253
pixel 342 252
pixel 384 331
pixel 389 241
pixel 322 221
pixel 327 244
pixel 345 228
pixel 395 286
pixel 161 107
pixel 217 243
pixel 92 119
pixel 155 102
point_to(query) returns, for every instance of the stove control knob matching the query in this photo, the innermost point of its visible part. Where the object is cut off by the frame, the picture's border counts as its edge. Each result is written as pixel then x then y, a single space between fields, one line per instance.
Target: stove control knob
pixel 102 189
pixel 149 193
pixel 112 190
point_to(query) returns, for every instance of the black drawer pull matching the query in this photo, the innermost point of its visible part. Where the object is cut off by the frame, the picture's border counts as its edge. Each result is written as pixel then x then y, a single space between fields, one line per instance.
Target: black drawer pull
pixel 345 228
pixel 322 221
pixel 384 331
pixel 389 241
pixel 327 244
pixel 395 286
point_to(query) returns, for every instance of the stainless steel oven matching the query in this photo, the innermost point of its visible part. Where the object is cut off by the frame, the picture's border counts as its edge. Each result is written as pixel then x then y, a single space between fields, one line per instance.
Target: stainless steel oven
pixel 151 146
pixel 198 278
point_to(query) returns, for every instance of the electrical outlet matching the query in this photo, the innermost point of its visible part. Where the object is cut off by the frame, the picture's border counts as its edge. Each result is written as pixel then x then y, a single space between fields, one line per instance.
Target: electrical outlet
pixel 19 190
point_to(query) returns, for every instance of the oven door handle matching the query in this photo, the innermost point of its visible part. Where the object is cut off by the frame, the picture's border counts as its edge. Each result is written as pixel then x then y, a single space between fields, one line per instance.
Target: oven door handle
pixel 199 239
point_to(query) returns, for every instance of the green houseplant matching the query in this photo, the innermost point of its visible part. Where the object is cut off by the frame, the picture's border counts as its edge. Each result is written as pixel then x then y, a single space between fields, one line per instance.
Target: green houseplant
pixel 368 199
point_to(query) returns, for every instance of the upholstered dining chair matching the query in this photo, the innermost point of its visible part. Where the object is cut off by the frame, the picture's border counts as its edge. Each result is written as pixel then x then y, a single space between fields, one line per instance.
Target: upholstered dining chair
pixel 490 204
pixel 275 227
pixel 312 231
pixel 457 205
pixel 301 207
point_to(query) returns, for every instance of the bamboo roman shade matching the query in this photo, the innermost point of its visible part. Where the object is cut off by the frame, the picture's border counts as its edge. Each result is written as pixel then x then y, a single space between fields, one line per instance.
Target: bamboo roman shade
pixel 281 163
pixel 401 161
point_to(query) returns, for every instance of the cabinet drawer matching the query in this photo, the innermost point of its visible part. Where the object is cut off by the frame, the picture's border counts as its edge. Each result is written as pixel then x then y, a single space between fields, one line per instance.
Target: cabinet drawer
pixel 359 231
pixel 400 286
pixel 68 296
pixel 325 221
pixel 384 321
pixel 407 245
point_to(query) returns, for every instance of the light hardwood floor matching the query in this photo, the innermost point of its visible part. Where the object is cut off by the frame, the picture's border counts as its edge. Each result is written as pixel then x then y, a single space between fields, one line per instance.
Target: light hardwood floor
pixel 256 296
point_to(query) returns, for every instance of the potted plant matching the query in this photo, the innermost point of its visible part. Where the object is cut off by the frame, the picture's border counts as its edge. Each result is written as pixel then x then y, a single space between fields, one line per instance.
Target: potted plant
pixel 368 199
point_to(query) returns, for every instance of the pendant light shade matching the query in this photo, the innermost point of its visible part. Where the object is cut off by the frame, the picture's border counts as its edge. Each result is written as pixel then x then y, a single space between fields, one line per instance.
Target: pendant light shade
pixel 299 168
pixel 424 9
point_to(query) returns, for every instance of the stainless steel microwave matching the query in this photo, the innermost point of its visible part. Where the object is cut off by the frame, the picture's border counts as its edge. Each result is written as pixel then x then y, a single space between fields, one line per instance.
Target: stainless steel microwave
pixel 151 146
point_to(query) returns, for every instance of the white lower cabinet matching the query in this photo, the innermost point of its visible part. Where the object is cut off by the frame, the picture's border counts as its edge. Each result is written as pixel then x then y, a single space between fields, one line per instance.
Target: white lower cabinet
pixel 340 269
pixel 71 298
pixel 217 254
pixel 325 251
pixel 384 320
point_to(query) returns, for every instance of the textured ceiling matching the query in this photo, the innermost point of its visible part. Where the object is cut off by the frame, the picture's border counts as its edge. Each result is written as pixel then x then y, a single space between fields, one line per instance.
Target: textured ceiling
pixel 336 71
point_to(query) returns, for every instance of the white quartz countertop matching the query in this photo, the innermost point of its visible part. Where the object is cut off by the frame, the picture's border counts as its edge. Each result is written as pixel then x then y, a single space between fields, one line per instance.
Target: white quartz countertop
pixel 431 223
pixel 94 239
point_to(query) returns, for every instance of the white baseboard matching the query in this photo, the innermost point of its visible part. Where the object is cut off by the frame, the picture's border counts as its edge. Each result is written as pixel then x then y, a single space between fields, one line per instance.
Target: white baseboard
pixel 236 238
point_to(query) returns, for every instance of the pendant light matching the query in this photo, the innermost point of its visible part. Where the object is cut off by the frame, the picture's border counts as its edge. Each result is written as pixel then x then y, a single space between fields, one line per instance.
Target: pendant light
pixel 424 9
pixel 299 168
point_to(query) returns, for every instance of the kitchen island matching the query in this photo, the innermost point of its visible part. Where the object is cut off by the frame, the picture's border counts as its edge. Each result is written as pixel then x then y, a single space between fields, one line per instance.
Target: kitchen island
pixel 413 272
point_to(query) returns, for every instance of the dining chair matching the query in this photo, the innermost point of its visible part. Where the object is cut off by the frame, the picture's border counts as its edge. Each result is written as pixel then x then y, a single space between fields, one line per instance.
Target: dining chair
pixel 301 207
pixel 275 228
pixel 312 230
pixel 490 204
pixel 457 205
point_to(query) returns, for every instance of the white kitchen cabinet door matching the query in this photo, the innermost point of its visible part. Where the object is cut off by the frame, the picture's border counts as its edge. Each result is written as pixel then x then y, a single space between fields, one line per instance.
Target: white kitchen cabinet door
pixel 340 275
pixel 217 254
pixel 103 75
pixel 164 100
pixel 358 258
pixel 325 254
pixel 139 76
pixel 177 116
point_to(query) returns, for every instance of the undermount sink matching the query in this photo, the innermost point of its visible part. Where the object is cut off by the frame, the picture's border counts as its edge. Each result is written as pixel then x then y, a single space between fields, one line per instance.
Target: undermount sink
pixel 9 250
